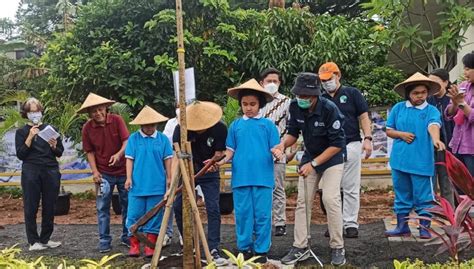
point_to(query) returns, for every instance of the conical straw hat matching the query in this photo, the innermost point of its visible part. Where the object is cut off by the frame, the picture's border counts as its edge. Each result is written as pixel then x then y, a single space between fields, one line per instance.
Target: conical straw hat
pixel 201 115
pixel 94 100
pixel 148 116
pixel 418 79
pixel 249 85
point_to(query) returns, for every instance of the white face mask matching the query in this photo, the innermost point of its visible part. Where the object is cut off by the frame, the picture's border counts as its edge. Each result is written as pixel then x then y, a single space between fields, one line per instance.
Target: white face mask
pixel 177 112
pixel 34 117
pixel 272 88
pixel 330 85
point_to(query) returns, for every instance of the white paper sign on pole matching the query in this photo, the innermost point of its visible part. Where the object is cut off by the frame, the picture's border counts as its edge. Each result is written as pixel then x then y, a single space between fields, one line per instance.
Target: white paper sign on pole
pixel 190 87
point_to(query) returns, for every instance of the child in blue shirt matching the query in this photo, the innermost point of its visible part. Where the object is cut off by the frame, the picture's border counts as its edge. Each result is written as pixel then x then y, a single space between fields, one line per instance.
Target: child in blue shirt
pixel 148 155
pixel 414 125
pixel 249 143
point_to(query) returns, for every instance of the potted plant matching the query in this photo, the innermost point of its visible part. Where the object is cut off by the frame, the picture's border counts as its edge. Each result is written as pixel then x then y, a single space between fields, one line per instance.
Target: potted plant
pixel 63 203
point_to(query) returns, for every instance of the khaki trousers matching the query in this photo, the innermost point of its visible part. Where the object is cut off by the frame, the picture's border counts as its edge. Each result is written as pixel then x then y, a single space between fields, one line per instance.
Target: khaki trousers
pixel 330 182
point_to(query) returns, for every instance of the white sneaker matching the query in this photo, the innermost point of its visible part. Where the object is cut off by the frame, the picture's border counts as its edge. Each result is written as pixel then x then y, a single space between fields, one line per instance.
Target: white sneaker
pixel 166 240
pixel 52 244
pixel 37 246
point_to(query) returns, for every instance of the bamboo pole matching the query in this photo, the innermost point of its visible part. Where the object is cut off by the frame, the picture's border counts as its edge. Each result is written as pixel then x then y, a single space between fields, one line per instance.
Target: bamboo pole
pixel 188 189
pixel 188 261
pixel 197 249
pixel 164 222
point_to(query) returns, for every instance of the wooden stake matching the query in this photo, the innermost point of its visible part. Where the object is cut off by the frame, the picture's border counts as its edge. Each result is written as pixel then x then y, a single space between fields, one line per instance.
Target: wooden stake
pixel 197 248
pixel 188 261
pixel 166 215
pixel 195 210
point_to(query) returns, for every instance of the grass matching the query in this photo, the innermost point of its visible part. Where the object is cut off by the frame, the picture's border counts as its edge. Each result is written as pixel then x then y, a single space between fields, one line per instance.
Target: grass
pixel 13 192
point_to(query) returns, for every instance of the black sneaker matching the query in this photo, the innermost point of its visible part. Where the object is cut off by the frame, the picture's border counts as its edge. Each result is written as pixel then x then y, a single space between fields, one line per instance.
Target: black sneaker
pixel 247 254
pixel 280 230
pixel 352 232
pixel 338 256
pixel 262 259
pixel 216 256
pixel 295 255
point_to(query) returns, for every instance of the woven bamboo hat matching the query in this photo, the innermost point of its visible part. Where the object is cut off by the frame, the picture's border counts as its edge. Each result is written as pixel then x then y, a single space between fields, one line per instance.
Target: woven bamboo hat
pixel 201 115
pixel 249 85
pixel 417 79
pixel 148 116
pixel 94 100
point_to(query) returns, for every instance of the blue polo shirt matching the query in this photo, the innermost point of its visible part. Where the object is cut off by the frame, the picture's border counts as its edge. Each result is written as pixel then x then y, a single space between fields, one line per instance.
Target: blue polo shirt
pixel 148 154
pixel 352 104
pixel 418 156
pixel 251 140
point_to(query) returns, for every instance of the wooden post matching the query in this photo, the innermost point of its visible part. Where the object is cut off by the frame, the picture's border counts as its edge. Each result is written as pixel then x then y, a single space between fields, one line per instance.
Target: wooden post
pixel 197 256
pixel 188 261
pixel 166 215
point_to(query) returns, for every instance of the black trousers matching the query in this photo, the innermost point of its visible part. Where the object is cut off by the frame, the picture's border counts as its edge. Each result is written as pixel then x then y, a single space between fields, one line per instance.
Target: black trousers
pixel 39 183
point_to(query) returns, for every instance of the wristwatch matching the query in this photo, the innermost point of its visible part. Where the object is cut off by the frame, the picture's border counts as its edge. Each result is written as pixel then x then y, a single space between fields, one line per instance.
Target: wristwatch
pixel 314 163
pixel 368 138
pixel 461 105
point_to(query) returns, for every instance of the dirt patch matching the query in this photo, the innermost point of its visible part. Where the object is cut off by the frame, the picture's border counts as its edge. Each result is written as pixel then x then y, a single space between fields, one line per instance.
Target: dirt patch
pixel 78 232
pixel 375 205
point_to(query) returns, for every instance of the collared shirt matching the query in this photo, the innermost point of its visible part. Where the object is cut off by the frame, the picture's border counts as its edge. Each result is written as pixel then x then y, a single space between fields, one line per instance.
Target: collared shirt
pixel 416 157
pixel 447 126
pixel 105 141
pixel 251 141
pixel 277 111
pixel 204 145
pixel 463 135
pixel 352 104
pixel 322 128
pixel 148 153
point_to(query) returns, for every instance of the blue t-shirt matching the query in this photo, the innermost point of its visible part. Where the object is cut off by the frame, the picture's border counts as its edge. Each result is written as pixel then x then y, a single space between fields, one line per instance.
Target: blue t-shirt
pixel 417 157
pixel 148 154
pixel 251 139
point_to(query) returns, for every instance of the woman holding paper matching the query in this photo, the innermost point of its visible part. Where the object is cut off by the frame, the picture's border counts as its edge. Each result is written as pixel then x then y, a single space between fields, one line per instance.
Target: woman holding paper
pixel 40 175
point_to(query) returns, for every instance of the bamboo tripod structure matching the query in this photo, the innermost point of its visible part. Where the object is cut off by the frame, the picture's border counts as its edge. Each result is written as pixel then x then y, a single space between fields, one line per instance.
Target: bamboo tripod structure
pixel 183 170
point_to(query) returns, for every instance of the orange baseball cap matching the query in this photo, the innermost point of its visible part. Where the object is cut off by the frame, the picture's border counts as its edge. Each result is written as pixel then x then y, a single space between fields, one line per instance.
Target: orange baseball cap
pixel 326 70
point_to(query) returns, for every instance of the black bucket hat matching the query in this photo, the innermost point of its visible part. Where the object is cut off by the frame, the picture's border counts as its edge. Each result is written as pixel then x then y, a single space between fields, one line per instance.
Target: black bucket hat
pixel 307 84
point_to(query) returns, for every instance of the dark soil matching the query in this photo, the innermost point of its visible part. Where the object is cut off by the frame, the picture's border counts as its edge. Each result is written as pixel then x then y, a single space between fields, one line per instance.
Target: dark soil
pixel 370 250
pixel 78 232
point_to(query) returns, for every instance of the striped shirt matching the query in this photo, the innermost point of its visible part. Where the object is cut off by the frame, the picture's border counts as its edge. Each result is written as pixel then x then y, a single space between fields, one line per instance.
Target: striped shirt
pixel 277 112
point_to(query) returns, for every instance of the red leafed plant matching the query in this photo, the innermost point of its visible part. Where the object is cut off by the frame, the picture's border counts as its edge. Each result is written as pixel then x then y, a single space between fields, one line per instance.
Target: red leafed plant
pixel 456 223
pixel 459 175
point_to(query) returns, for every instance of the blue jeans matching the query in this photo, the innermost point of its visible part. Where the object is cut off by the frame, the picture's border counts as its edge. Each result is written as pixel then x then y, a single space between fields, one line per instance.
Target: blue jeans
pixel 210 189
pixel 103 209
pixel 169 228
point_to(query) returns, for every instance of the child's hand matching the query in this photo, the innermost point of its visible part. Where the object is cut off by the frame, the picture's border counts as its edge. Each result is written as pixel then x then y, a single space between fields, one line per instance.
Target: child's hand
pixel 128 183
pixel 407 137
pixel 439 145
pixel 278 151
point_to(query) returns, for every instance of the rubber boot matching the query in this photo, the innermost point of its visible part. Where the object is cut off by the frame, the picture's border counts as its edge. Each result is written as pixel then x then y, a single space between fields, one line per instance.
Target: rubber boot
pixel 149 251
pixel 402 228
pixel 134 250
pixel 424 233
